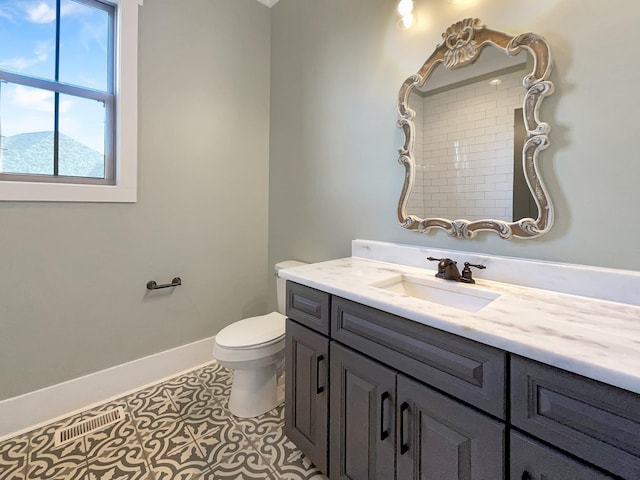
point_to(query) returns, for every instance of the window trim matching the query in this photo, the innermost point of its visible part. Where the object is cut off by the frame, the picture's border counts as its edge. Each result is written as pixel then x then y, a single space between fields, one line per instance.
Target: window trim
pixel 126 123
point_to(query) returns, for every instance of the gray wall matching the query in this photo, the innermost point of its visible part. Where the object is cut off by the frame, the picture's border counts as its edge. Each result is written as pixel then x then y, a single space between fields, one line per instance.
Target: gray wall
pixel 72 289
pixel 336 69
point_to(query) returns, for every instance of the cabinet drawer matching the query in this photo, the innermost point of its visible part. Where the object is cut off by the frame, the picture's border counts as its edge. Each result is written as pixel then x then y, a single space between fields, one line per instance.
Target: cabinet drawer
pixel 463 368
pixel 531 460
pixel 594 421
pixel 308 306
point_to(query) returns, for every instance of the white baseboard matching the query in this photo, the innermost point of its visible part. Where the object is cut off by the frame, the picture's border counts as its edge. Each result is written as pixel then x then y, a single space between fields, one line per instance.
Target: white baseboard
pixel 25 412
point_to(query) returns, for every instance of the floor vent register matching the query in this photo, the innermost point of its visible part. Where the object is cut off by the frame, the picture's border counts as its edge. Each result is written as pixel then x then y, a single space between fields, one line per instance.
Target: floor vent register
pixel 68 434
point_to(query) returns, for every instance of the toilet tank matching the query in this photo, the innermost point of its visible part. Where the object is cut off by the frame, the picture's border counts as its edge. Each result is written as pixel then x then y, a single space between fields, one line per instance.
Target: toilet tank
pixel 281 283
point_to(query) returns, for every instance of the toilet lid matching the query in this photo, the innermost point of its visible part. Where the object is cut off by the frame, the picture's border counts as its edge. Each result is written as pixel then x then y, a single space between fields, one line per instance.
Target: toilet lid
pixel 253 331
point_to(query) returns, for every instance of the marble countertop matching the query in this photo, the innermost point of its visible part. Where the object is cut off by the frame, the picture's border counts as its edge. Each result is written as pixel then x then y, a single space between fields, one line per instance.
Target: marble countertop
pixel 596 338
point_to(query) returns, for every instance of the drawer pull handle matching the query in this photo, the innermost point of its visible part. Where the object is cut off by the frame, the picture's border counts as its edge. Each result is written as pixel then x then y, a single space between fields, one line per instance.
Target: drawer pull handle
pixel 319 388
pixel 384 433
pixel 404 446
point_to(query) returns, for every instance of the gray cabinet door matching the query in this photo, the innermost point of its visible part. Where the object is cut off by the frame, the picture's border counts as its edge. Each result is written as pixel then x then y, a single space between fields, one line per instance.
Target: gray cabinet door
pixel 531 460
pixel 442 439
pixel 306 392
pixel 362 417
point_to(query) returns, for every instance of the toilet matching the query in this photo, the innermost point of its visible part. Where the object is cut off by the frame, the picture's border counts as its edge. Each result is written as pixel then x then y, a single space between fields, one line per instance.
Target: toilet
pixel 254 349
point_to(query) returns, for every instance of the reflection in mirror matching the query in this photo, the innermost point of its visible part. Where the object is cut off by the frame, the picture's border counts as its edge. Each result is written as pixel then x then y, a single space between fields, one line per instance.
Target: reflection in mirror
pixel 465 134
pixel 468 152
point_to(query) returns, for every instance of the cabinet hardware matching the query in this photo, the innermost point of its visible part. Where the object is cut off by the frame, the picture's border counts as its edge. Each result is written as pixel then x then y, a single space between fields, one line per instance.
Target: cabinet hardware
pixel 384 433
pixel 319 388
pixel 404 446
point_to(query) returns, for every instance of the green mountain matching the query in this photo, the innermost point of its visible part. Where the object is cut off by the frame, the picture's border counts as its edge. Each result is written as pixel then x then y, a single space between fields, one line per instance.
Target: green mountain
pixel 32 153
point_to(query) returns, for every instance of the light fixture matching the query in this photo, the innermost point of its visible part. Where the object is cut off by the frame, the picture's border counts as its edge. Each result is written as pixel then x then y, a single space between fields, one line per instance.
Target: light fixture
pixel 405 7
pixel 407 17
pixel 495 82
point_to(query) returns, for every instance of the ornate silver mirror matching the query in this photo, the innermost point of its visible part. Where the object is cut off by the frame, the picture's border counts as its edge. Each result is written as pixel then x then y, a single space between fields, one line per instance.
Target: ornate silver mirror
pixel 473 135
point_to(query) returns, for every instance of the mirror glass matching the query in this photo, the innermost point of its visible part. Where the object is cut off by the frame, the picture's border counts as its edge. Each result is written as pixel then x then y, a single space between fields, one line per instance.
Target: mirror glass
pixel 466 133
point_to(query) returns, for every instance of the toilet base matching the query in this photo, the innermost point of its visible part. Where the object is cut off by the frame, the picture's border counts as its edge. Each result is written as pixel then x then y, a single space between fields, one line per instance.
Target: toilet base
pixel 256 391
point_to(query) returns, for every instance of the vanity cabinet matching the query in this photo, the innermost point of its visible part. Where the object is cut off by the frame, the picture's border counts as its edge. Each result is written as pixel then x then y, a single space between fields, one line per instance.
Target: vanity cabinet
pixel 371 395
pixel 306 392
pixel 383 424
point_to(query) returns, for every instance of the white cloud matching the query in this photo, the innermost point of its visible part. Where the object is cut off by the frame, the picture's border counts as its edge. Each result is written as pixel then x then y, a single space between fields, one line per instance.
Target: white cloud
pixel 18 64
pixel 7 12
pixel 65 106
pixel 94 34
pixel 45 12
pixel 41 13
pixel 83 133
pixel 42 50
pixel 37 122
pixel 72 8
pixel 32 98
pixel 36 99
pixel 26 110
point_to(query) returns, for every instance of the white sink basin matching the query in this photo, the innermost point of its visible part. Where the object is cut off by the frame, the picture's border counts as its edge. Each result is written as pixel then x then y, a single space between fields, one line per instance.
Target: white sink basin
pixel 452 294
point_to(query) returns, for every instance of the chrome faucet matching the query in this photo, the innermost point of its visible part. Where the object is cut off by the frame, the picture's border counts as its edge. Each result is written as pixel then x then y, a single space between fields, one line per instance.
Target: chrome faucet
pixel 448 270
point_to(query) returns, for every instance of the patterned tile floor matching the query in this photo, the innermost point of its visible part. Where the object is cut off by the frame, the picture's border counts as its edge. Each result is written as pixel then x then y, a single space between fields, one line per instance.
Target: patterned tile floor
pixel 177 430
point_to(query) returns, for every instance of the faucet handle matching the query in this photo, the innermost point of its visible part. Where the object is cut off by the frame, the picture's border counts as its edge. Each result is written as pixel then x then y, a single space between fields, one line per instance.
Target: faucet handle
pixel 466 276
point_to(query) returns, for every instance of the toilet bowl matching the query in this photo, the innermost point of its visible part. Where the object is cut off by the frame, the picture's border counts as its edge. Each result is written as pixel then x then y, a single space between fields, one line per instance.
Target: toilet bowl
pixel 253 348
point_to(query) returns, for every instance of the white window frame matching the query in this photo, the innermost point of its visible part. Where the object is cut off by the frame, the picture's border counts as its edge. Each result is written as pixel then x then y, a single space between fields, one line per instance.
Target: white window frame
pixel 126 91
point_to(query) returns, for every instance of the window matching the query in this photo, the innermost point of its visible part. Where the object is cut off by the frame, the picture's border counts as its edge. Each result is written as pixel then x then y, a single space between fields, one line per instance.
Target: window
pixel 68 91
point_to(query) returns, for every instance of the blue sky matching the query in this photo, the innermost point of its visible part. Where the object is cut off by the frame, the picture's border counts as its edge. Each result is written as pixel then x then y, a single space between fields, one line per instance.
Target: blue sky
pixel 27 46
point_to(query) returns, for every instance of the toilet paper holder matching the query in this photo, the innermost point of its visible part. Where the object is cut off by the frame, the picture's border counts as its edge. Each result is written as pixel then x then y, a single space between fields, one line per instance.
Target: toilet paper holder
pixel 152 285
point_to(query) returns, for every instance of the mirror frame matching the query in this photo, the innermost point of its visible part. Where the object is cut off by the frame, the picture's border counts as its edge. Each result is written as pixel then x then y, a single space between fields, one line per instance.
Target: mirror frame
pixel 463 42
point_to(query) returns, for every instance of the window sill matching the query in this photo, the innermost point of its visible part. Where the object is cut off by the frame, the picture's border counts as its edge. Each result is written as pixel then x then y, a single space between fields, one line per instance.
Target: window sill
pixel 65 192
